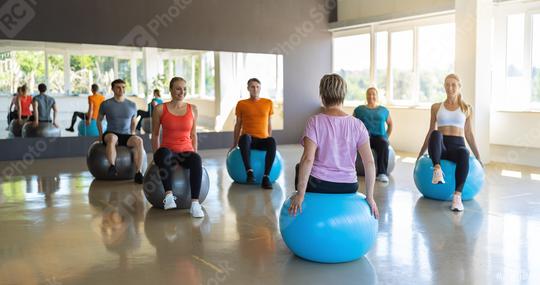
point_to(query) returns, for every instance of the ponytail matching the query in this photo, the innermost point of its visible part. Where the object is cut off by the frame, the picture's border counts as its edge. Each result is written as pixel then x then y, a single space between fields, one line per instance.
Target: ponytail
pixel 465 108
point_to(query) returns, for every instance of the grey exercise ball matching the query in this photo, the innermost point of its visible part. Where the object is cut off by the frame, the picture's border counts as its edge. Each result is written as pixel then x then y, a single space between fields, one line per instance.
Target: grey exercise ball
pixel 155 193
pixel 98 165
pixel 391 162
pixel 43 130
pixel 147 125
pixel 15 129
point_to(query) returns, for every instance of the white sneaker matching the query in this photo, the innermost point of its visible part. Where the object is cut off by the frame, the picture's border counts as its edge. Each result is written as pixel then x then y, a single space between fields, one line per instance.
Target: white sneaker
pixel 438 176
pixel 196 210
pixel 382 178
pixel 168 202
pixel 457 204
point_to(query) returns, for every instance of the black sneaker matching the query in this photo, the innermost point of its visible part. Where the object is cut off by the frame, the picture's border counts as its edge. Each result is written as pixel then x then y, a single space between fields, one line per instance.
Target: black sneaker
pixel 266 184
pixel 112 171
pixel 138 178
pixel 70 130
pixel 250 178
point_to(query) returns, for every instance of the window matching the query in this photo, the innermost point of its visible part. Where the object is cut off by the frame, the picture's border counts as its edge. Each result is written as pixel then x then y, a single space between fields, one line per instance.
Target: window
pixel 402 66
pixel 535 80
pixel 141 84
pixel 55 73
pixel 352 61
pixel 21 67
pixel 435 60
pixel 269 77
pixel 88 69
pixel 515 69
pixel 381 62
pixel 124 72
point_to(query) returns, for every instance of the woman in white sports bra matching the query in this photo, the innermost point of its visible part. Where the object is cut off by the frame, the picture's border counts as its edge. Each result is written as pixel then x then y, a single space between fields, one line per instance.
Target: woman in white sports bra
pixel 449 127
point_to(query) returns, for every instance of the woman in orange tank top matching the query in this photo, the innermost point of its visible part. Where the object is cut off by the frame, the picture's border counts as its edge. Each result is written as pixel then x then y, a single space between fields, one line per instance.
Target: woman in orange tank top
pixel 24 103
pixel 178 121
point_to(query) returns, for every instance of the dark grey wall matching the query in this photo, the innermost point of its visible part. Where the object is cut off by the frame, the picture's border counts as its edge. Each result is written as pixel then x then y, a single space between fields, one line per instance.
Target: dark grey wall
pixel 295 28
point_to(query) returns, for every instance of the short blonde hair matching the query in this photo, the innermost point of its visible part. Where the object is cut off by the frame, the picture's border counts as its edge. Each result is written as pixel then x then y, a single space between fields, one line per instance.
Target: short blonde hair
pixel 332 89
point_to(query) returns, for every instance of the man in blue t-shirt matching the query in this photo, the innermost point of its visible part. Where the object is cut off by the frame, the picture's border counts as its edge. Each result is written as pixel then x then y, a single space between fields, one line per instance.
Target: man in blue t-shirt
pixel 121 116
pixel 42 105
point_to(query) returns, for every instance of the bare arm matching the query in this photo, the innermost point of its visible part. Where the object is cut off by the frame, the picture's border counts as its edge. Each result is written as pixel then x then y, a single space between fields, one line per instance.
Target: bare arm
pixel 269 126
pixel 156 124
pixel 237 129
pixel 35 105
pixel 469 136
pixel 390 126
pixel 306 164
pixel 432 126
pixel 194 128
pixel 55 114
pixel 134 122
pixel 369 170
pixel 90 112
pixel 19 113
pixel 99 126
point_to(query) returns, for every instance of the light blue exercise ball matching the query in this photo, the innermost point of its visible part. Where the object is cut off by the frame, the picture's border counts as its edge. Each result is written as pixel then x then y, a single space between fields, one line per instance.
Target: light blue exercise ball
pixel 331 228
pixel 237 171
pixel 90 130
pixel 423 173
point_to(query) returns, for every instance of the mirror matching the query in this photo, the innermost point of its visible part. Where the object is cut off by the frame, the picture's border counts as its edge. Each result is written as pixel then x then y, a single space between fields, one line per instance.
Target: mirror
pixel 216 80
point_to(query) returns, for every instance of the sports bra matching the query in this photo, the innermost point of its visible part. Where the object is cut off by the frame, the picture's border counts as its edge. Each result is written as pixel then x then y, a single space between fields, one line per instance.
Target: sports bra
pixel 454 118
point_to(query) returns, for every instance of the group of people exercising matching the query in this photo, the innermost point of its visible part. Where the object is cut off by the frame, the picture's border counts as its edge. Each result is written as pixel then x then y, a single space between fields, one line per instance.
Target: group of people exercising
pixel 331 140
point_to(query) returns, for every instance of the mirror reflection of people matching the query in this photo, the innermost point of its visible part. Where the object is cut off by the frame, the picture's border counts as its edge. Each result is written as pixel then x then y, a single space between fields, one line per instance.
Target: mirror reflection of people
pixel 94 102
pixel 120 114
pixel 253 130
pixel 43 104
pixel 178 123
pixel 332 139
pixel 450 125
pixel 24 102
pixel 13 110
pixel 378 122
pixel 148 114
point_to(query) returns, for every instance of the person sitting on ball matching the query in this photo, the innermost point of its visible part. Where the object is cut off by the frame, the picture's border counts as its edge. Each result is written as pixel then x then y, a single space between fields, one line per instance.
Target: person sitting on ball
pixel 449 126
pixel 148 114
pixel 121 121
pixel 13 110
pixel 378 122
pixel 332 139
pixel 43 104
pixel 253 129
pixel 94 102
pixel 178 122
pixel 24 101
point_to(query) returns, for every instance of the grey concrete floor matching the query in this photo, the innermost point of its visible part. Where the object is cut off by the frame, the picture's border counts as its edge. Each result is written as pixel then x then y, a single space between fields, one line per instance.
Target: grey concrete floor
pixel 59 226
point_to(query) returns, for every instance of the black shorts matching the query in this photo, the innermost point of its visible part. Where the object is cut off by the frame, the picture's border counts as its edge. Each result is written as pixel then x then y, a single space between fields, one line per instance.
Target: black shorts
pixel 122 138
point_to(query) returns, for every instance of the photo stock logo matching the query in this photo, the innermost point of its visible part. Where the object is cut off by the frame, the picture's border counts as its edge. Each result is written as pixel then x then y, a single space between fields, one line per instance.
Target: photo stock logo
pixel 15 15
pixel 143 36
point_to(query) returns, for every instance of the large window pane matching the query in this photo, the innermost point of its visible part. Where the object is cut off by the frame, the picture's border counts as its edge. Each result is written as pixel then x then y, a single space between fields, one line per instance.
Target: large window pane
pixel 56 73
pixel 352 61
pixel 141 81
pixel 381 62
pixel 435 60
pixel 268 75
pixel 87 70
pixel 516 82
pixel 536 59
pixel 402 65
pixel 21 67
pixel 124 72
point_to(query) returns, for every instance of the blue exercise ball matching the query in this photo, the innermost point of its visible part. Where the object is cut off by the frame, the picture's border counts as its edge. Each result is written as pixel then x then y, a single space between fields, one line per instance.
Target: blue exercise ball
pixel 90 130
pixel 423 173
pixel 331 228
pixel 237 171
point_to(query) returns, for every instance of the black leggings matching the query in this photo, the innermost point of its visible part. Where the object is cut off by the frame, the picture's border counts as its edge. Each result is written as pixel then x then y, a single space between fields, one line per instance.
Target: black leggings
pixel 166 160
pixel 380 145
pixel 316 185
pixel 450 148
pixel 76 115
pixel 11 116
pixel 246 143
pixel 143 114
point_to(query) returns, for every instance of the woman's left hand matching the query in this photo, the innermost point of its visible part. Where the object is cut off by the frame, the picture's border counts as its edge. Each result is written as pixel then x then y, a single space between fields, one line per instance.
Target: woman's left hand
pixel 296 204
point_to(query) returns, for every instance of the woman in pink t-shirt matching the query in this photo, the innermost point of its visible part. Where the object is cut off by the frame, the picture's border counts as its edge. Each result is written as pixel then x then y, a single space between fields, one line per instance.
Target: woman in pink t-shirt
pixel 331 141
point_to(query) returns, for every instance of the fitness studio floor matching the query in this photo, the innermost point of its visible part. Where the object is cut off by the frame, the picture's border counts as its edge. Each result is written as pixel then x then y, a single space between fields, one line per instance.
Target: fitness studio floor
pixel 68 229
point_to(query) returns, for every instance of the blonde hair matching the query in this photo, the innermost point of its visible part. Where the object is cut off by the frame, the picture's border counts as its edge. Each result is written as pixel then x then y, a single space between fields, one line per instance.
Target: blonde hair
pixel 465 108
pixel 332 89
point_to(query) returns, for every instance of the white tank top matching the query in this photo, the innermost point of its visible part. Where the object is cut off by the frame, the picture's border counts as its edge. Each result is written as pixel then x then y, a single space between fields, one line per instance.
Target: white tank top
pixel 454 118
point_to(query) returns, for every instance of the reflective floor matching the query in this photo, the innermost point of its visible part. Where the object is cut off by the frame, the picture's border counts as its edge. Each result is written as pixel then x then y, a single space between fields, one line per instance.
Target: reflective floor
pixel 59 226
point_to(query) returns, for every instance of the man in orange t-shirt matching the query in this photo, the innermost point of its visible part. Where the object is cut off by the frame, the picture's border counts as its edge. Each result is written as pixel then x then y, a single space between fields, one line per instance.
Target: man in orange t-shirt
pixel 94 101
pixel 253 129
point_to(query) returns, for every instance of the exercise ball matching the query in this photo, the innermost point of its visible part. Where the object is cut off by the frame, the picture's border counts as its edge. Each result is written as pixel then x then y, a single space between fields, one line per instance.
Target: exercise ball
pixel 90 130
pixel 423 173
pixel 15 129
pixel 43 130
pixel 146 125
pixel 98 165
pixel 331 228
pixel 155 193
pixel 391 162
pixel 237 170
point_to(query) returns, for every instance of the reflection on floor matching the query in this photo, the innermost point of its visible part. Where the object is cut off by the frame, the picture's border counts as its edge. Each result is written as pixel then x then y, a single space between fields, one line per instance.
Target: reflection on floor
pixel 58 226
